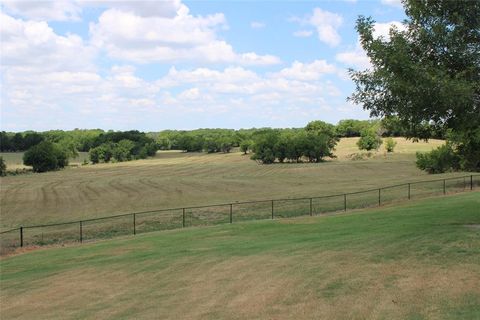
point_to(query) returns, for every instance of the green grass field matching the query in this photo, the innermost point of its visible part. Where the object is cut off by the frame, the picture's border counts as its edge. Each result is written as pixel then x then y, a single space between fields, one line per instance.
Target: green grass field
pixel 420 260
pixel 175 179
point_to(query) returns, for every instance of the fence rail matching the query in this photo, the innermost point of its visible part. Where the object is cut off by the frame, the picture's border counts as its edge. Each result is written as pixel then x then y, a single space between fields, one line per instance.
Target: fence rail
pixel 171 218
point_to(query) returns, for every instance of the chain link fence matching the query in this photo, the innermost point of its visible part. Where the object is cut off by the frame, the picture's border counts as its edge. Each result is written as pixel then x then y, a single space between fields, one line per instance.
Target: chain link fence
pixel 165 219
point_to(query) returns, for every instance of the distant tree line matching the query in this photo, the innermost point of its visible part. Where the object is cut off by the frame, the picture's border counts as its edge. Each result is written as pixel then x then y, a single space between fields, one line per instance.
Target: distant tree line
pixel 80 140
pixel 50 150
pixel 312 143
pixel 207 140
pixel 14 142
pixel 223 140
pixel 122 146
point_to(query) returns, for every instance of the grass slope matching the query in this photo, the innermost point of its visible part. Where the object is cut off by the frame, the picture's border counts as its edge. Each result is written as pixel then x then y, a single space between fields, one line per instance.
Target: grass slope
pixel 417 261
pixel 175 179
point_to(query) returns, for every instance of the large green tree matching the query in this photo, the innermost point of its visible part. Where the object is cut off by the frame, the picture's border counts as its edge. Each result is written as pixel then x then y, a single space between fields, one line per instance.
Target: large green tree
pixel 45 156
pixel 427 73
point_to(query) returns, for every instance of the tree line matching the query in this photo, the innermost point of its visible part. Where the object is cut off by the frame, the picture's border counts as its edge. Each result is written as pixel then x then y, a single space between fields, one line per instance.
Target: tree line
pixel 50 150
pixel 223 140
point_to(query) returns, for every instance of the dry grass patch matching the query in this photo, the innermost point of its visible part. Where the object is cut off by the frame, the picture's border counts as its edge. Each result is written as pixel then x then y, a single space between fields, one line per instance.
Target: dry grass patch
pixel 326 285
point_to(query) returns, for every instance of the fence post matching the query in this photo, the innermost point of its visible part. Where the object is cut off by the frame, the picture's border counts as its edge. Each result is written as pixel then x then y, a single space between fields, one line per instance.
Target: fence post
pixel 183 217
pixel 444 187
pixel 344 202
pixel 231 213
pixel 272 209
pixel 21 236
pixel 134 225
pixel 81 231
pixel 379 197
pixel 409 191
pixel 471 182
pixel 311 207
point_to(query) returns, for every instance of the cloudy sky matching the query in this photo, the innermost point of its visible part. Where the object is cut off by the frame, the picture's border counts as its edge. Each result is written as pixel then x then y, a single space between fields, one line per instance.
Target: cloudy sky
pixel 153 65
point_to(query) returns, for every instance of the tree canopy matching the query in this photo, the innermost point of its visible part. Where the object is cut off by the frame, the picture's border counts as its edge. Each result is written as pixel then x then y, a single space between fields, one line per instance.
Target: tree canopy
pixel 313 143
pixel 45 156
pixel 427 73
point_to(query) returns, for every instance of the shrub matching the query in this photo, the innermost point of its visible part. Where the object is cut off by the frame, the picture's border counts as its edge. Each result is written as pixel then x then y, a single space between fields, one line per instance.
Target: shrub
pixel 226 145
pixel 246 146
pixel 122 151
pixel 45 156
pixel 438 160
pixel 369 140
pixel 103 153
pixel 3 167
pixel 390 144
pixel 266 157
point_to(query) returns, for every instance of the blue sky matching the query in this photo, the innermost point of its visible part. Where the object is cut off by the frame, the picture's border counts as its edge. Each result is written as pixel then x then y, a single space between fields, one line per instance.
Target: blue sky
pixel 154 65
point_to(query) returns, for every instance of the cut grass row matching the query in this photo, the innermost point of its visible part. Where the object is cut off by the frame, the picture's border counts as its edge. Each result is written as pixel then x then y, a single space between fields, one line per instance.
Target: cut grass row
pixel 415 261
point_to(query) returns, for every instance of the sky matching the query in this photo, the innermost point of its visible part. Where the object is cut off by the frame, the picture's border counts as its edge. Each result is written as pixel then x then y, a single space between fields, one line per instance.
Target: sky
pixel 155 65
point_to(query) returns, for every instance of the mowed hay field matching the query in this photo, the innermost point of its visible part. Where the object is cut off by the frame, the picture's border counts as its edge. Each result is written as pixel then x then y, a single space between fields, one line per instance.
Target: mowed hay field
pixel 175 179
pixel 420 260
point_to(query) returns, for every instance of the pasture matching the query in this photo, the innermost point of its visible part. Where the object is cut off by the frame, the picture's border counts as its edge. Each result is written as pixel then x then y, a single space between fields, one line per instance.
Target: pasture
pixel 174 179
pixel 420 260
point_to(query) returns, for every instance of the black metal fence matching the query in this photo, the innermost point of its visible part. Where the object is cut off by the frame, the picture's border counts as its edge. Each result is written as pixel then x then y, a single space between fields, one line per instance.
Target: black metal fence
pixel 163 219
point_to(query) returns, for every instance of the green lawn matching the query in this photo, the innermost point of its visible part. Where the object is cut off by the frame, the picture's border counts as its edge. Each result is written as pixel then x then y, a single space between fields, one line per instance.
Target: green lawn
pixel 420 260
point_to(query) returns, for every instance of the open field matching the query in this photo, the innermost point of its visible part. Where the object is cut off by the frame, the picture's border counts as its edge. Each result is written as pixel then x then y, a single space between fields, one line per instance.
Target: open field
pixel 175 179
pixel 416 261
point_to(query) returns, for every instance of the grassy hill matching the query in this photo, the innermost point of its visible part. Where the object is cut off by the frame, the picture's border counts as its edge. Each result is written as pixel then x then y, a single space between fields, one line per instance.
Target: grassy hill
pixel 175 179
pixel 416 261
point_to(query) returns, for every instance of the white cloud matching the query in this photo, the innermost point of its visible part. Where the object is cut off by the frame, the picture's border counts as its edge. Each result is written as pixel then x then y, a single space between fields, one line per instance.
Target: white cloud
pixel 306 71
pixel 231 75
pixel 126 35
pixel 326 24
pixel 257 25
pixel 393 3
pixel 294 92
pixel 303 33
pixel 357 58
pixel 383 29
pixel 164 8
pixel 32 44
pixel 44 10
pixel 189 94
pixel 354 59
pixel 205 87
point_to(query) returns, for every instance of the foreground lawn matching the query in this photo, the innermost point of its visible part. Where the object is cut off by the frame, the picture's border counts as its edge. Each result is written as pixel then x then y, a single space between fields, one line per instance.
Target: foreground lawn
pixel 416 261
